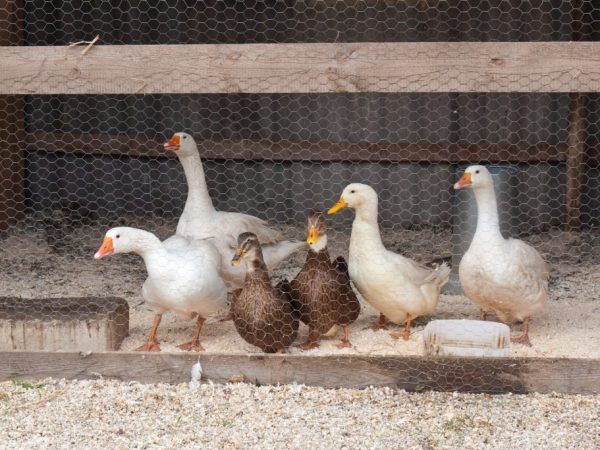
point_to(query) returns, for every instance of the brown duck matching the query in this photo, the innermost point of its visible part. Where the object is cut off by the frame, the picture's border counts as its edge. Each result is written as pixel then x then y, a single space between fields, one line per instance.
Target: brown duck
pixel 262 314
pixel 321 292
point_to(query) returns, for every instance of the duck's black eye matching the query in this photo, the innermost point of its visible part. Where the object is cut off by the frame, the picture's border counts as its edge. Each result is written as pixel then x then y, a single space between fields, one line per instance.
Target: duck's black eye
pixel 477 171
pixel 353 191
pixel 118 236
pixel 185 137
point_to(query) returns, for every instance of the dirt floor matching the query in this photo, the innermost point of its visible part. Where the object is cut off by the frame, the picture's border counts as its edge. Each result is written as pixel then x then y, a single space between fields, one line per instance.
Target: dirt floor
pixel 56 260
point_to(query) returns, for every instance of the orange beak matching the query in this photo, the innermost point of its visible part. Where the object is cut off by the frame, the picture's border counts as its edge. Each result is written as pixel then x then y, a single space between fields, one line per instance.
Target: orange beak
pixel 237 258
pixel 341 204
pixel 105 249
pixel 172 144
pixel 312 236
pixel 464 182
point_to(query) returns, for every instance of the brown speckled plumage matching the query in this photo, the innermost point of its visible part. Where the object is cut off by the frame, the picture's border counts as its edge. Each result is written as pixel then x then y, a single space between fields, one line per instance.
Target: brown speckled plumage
pixel 263 314
pixel 321 291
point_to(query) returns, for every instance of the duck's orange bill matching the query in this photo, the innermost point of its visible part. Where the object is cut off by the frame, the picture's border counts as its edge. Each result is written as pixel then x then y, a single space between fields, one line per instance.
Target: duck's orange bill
pixel 341 204
pixel 172 144
pixel 464 182
pixel 105 249
pixel 237 258
pixel 312 236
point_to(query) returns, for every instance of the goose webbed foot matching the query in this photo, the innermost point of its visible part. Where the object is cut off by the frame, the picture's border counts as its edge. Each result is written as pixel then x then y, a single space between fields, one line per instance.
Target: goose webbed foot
pixel 524 338
pixel 405 334
pixel 150 346
pixel 191 346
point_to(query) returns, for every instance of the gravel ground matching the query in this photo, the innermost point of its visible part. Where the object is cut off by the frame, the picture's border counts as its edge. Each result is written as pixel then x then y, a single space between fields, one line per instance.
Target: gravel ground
pixel 111 414
pixel 58 262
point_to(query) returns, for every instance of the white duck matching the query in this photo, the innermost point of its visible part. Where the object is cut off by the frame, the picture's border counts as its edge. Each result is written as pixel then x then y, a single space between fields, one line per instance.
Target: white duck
pixel 184 278
pixel 506 276
pixel 398 287
pixel 200 219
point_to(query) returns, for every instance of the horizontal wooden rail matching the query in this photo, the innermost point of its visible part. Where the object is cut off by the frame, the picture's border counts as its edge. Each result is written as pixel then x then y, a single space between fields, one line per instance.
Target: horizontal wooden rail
pixel 494 375
pixel 303 68
pixel 322 151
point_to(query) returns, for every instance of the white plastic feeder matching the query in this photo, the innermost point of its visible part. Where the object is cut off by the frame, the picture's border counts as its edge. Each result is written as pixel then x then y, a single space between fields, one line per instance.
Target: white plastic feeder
pixel 466 338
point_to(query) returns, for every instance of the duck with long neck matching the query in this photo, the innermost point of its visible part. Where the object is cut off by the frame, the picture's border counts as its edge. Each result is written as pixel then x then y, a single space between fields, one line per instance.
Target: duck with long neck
pixel 201 220
pixel 506 276
pixel 321 291
pixel 183 279
pixel 262 314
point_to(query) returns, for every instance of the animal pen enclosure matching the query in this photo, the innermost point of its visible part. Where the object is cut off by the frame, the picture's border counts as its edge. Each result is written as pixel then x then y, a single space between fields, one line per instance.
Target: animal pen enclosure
pixel 289 101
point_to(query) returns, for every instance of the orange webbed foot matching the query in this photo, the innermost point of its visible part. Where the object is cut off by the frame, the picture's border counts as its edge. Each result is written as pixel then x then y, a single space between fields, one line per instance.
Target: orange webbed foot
pixel 400 334
pixel 523 339
pixel 191 346
pixel 344 344
pixel 150 346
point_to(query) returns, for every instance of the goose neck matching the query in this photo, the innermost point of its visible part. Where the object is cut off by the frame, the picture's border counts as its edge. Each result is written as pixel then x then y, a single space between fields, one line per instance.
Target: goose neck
pixel 198 197
pixel 488 224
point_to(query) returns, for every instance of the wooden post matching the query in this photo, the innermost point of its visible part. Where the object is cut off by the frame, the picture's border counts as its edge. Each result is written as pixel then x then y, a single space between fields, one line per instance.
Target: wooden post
pixel 575 161
pixel 12 126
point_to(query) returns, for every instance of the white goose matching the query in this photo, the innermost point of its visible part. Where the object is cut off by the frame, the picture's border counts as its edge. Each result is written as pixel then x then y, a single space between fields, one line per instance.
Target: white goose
pixel 184 278
pixel 506 276
pixel 200 219
pixel 396 286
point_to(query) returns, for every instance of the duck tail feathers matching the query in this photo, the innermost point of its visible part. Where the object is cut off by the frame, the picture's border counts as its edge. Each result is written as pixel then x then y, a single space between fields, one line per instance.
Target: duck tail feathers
pixel 440 275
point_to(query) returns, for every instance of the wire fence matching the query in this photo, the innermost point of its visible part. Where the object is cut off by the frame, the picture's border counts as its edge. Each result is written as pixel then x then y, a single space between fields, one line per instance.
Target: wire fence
pixel 75 166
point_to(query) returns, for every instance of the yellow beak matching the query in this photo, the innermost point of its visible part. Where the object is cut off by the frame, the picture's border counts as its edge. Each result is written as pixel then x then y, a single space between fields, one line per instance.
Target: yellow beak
pixel 312 236
pixel 464 182
pixel 341 204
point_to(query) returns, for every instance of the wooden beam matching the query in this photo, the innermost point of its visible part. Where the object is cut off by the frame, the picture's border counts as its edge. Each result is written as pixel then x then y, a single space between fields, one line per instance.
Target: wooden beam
pixel 12 126
pixel 576 161
pixel 304 68
pixel 321 151
pixel 493 375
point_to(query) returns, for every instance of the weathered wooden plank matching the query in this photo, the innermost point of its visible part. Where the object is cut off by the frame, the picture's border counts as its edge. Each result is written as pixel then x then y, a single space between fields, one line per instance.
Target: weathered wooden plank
pixel 304 68
pixel 12 127
pixel 576 160
pixel 323 151
pixel 493 375
pixel 63 324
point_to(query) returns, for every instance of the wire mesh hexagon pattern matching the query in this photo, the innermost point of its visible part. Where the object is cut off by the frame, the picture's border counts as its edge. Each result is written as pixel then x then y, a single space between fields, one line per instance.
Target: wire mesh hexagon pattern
pixel 74 166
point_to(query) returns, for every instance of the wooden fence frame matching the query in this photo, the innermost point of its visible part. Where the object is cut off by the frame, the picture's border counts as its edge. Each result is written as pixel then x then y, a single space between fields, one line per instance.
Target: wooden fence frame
pixel 281 68
pixel 412 373
pixel 301 68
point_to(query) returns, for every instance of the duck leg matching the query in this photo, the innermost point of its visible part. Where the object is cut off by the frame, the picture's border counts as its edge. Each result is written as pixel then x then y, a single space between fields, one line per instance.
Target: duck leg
pixel 404 333
pixel 311 341
pixel 482 315
pixel 345 342
pixel 152 344
pixel 524 338
pixel 194 344
pixel 383 322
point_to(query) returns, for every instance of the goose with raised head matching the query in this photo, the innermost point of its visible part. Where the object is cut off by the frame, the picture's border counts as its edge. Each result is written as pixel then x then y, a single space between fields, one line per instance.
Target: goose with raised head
pixel 396 286
pixel 263 314
pixel 201 220
pixel 183 278
pixel 506 276
pixel 321 291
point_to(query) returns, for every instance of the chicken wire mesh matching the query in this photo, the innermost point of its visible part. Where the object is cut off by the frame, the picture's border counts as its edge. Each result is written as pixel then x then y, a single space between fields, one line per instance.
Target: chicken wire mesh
pixel 74 166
